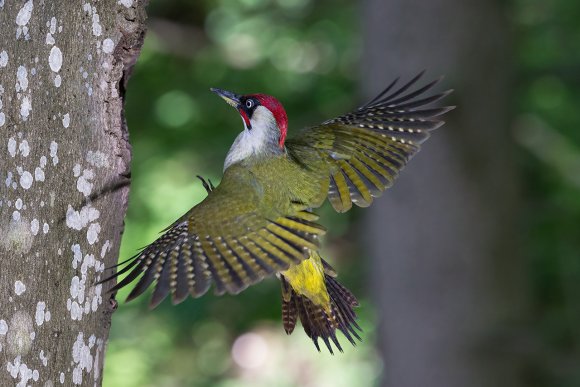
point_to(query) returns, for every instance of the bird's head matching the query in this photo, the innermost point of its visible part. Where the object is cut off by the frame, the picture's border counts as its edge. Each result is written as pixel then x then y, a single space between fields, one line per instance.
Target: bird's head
pixel 265 123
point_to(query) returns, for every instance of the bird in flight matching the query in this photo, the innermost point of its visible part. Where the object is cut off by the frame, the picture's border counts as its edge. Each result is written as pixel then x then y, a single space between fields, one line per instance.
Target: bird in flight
pixel 259 220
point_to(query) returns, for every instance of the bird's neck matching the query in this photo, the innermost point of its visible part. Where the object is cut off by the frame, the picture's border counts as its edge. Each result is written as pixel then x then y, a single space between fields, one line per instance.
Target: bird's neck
pixel 260 141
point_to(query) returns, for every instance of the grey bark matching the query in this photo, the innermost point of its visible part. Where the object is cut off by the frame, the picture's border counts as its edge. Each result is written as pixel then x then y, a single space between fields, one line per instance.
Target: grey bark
pixel 64 172
pixel 443 240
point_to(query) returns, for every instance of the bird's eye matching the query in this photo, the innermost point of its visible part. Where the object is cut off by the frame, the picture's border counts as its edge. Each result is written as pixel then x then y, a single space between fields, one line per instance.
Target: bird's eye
pixel 249 104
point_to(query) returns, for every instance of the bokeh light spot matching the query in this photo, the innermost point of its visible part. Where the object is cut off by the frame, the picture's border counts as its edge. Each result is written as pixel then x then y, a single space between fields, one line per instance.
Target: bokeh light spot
pixel 250 351
pixel 242 51
pixel 175 108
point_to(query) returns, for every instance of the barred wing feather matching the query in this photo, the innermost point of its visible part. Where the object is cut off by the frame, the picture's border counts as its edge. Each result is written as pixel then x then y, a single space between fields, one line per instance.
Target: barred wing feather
pixel 232 250
pixel 366 149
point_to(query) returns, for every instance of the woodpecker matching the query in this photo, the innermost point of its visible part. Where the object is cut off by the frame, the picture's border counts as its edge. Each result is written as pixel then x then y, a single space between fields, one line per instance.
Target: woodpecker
pixel 259 220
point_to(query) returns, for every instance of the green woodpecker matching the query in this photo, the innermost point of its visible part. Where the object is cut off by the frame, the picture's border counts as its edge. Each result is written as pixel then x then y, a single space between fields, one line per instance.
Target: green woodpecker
pixel 258 221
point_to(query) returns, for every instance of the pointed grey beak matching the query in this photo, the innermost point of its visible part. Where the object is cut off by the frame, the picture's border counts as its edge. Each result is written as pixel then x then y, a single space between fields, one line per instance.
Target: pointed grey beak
pixel 231 98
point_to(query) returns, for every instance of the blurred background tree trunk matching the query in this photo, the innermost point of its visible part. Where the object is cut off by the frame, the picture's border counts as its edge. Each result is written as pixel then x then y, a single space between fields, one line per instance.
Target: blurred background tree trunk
pixel 64 171
pixel 445 272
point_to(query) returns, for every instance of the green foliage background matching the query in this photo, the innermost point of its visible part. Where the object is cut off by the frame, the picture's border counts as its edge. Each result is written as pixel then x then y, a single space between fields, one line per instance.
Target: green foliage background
pixel 306 53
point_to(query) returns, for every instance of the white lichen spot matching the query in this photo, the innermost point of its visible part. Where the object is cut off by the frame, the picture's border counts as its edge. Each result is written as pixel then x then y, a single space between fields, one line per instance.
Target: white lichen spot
pixel 55 59
pixel 83 300
pixel 45 228
pixel 57 81
pixel 77 255
pixel 43 358
pixel 16 216
pixel 17 368
pixel 84 184
pixel 39 316
pixel 74 287
pixel 52 25
pixel 105 248
pixel 25 107
pixel 12 146
pixel 42 161
pixel 21 79
pixel 18 204
pixel 26 180
pixel 77 220
pixel 23 16
pixel 19 288
pixel 24 148
pixel 76 312
pixel 34 226
pixel 53 151
pixel 108 46
pixel 93 233
pixel 38 174
pixel 66 120
pixel 2 115
pixel 61 378
pixel 49 39
pixel 97 28
pixel 82 358
pixel 3 327
pixel 126 3
pixel 14 368
pixel 3 58
pixel 8 180
pixel 97 159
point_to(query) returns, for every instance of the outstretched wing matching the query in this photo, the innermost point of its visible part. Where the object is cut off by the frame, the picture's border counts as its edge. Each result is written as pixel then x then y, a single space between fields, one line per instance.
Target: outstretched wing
pixel 229 240
pixel 366 149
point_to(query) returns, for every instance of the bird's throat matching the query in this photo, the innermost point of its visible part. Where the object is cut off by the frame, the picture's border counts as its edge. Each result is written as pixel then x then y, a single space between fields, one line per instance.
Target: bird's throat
pixel 260 141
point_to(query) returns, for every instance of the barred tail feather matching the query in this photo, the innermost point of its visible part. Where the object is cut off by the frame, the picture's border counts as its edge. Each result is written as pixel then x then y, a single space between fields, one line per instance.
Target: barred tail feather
pixel 316 321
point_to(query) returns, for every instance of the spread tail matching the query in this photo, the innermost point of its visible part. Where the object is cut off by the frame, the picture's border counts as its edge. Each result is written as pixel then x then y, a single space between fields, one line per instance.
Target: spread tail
pixel 316 321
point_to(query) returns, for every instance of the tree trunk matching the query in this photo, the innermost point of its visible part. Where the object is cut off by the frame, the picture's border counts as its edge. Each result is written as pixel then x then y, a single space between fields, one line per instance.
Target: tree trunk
pixel 445 273
pixel 64 173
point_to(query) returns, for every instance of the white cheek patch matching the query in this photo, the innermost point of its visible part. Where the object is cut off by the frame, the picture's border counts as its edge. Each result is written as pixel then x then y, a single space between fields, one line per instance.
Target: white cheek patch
pixel 261 138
